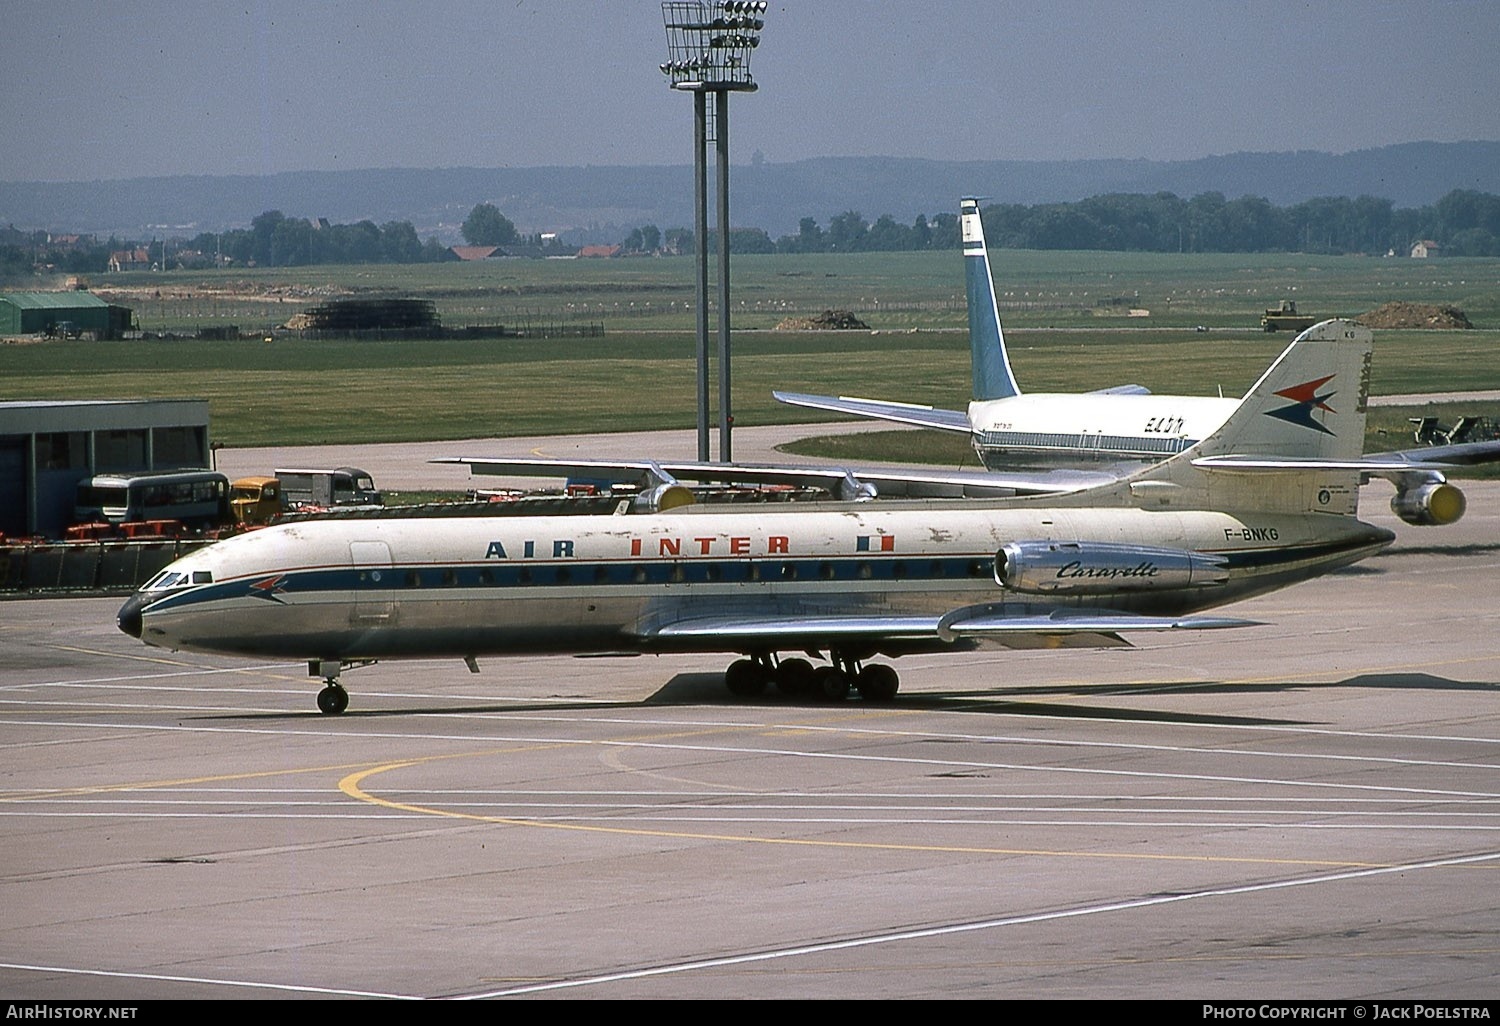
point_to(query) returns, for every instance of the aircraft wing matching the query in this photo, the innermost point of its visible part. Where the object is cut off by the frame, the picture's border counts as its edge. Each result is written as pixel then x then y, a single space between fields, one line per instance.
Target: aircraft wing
pixel 1426 460
pixel 880 409
pixel 1464 454
pixel 847 483
pixel 1122 390
pixel 1007 628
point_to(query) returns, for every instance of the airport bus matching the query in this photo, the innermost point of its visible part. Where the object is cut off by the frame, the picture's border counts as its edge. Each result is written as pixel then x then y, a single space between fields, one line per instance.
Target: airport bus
pixel 195 498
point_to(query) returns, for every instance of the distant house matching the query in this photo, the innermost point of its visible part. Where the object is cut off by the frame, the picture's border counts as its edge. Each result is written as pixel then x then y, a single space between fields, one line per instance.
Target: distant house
pixel 473 252
pixel 599 251
pixel 129 260
pixel 1424 249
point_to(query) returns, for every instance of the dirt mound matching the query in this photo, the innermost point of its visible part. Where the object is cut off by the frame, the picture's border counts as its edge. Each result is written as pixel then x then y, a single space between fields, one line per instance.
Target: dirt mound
pixel 1414 315
pixel 828 320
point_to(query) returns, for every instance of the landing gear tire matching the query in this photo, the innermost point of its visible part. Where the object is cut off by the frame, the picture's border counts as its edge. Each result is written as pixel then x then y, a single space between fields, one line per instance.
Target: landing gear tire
pixel 878 683
pixel 830 683
pixel 333 699
pixel 794 677
pixel 745 679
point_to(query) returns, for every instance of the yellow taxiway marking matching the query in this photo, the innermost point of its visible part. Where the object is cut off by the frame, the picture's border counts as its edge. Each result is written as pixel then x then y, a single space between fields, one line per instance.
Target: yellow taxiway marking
pixel 353 786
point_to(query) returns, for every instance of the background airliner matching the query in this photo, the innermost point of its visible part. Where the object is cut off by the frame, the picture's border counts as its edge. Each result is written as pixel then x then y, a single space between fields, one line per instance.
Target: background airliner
pixel 1015 430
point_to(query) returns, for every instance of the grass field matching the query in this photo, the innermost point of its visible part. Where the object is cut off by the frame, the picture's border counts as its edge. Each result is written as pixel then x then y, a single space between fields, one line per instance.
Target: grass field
pixel 641 374
pixel 890 291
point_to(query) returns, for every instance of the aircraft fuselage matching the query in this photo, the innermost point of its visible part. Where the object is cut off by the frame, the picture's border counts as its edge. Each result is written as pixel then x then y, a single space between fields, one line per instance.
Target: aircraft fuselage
pixel 1043 431
pixel 349 589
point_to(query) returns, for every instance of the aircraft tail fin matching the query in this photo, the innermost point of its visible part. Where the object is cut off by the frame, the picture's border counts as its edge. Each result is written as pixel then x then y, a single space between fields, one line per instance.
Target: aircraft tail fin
pixel 1309 406
pixel 991 366
pixel 1294 443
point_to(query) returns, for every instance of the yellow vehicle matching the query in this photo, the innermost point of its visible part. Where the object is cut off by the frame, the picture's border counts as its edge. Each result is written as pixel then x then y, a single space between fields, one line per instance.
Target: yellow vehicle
pixel 1284 317
pixel 255 500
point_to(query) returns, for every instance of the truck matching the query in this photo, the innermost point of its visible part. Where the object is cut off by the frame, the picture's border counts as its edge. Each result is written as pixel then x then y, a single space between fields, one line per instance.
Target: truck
pixel 1284 316
pixel 254 501
pixel 327 489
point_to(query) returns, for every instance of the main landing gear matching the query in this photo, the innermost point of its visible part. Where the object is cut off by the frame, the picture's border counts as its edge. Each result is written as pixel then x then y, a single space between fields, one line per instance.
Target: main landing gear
pixel 333 699
pixel 798 678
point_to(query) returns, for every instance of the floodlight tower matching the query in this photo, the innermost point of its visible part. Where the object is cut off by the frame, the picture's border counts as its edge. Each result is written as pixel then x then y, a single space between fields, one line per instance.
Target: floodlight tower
pixel 708 51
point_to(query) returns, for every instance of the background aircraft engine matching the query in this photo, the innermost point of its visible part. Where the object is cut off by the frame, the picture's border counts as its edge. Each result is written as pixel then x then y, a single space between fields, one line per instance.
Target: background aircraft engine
pixel 1434 504
pixel 1084 568
pixel 663 497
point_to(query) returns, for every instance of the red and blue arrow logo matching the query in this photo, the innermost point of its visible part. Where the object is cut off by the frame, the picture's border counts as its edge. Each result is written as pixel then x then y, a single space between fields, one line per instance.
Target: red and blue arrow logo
pixel 269 588
pixel 1305 398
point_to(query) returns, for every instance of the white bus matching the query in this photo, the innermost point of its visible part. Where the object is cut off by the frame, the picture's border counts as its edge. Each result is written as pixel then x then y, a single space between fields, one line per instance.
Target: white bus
pixel 196 498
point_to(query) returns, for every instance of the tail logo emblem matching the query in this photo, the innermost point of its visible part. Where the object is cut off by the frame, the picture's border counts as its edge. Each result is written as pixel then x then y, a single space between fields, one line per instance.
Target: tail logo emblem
pixel 1305 399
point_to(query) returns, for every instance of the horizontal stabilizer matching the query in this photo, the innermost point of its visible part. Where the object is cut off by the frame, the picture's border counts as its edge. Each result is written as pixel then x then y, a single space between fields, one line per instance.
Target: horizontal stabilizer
pixel 878 409
pixel 1368 464
pixel 1122 390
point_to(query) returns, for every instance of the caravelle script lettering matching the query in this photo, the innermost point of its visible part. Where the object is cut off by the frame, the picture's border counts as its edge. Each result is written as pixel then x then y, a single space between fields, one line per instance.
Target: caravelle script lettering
pixel 1076 568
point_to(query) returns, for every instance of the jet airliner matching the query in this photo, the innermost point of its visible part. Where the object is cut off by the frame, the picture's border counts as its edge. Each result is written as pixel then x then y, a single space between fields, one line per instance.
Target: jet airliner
pixel 1012 429
pixel 1266 499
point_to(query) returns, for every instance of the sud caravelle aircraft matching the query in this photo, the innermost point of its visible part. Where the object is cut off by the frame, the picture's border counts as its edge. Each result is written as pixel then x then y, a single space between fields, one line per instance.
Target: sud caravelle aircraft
pixel 1112 428
pixel 1266 500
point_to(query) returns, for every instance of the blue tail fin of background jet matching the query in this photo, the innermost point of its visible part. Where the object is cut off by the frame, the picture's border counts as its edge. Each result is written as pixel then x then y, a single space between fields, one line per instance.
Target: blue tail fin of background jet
pixel 992 374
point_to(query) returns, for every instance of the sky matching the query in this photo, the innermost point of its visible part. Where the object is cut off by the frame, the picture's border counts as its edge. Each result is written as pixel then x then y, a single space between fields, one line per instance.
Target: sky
pixel 130 88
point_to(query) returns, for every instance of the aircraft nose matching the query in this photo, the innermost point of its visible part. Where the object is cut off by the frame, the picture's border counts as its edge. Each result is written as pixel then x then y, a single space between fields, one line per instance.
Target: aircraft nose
pixel 128 619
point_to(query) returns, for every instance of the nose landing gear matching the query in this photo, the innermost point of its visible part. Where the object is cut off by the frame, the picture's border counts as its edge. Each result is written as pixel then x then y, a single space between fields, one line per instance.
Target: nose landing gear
pixel 333 699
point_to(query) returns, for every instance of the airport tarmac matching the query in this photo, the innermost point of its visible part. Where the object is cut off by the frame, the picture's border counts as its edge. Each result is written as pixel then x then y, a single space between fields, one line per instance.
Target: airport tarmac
pixel 1306 810
pixel 406 466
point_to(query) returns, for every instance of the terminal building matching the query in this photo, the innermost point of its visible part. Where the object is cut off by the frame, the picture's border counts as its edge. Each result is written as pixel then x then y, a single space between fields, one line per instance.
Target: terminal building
pixel 47 448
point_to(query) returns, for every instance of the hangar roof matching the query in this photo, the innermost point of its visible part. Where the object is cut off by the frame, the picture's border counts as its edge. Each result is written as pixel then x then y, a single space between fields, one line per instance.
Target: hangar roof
pixel 52 300
pixel 27 417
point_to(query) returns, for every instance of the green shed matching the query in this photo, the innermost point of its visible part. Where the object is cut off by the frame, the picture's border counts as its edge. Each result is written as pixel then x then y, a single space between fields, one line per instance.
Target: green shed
pixel 35 313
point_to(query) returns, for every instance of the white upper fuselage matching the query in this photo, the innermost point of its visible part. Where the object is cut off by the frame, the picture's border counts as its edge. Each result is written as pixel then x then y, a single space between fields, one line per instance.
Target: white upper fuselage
pixel 1074 430
pixel 380 587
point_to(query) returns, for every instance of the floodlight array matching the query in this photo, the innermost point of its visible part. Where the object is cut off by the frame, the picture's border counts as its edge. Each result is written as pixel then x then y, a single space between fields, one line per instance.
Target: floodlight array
pixel 709 44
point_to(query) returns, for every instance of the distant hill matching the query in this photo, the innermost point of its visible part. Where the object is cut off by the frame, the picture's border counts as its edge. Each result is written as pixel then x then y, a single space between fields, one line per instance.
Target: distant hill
pixel 603 203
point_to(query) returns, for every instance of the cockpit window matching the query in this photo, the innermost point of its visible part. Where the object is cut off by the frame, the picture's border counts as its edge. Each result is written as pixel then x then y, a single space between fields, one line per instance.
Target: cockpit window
pixel 176 579
pixel 164 580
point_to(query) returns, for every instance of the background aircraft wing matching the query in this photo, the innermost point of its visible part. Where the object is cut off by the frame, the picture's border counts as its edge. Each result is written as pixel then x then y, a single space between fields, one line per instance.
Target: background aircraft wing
pixel 879 409
pixel 845 482
pixel 1122 390
pixel 1403 462
pixel 1463 454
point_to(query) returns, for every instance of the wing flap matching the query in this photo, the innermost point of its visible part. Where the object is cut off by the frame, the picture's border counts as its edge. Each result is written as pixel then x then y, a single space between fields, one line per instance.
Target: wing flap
pixel 1027 629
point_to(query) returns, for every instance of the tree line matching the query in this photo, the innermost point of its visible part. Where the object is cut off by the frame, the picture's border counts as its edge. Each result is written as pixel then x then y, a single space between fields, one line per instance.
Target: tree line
pixel 1462 223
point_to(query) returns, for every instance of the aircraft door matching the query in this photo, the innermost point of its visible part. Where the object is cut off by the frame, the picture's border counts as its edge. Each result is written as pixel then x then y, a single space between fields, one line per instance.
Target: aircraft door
pixel 374 586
